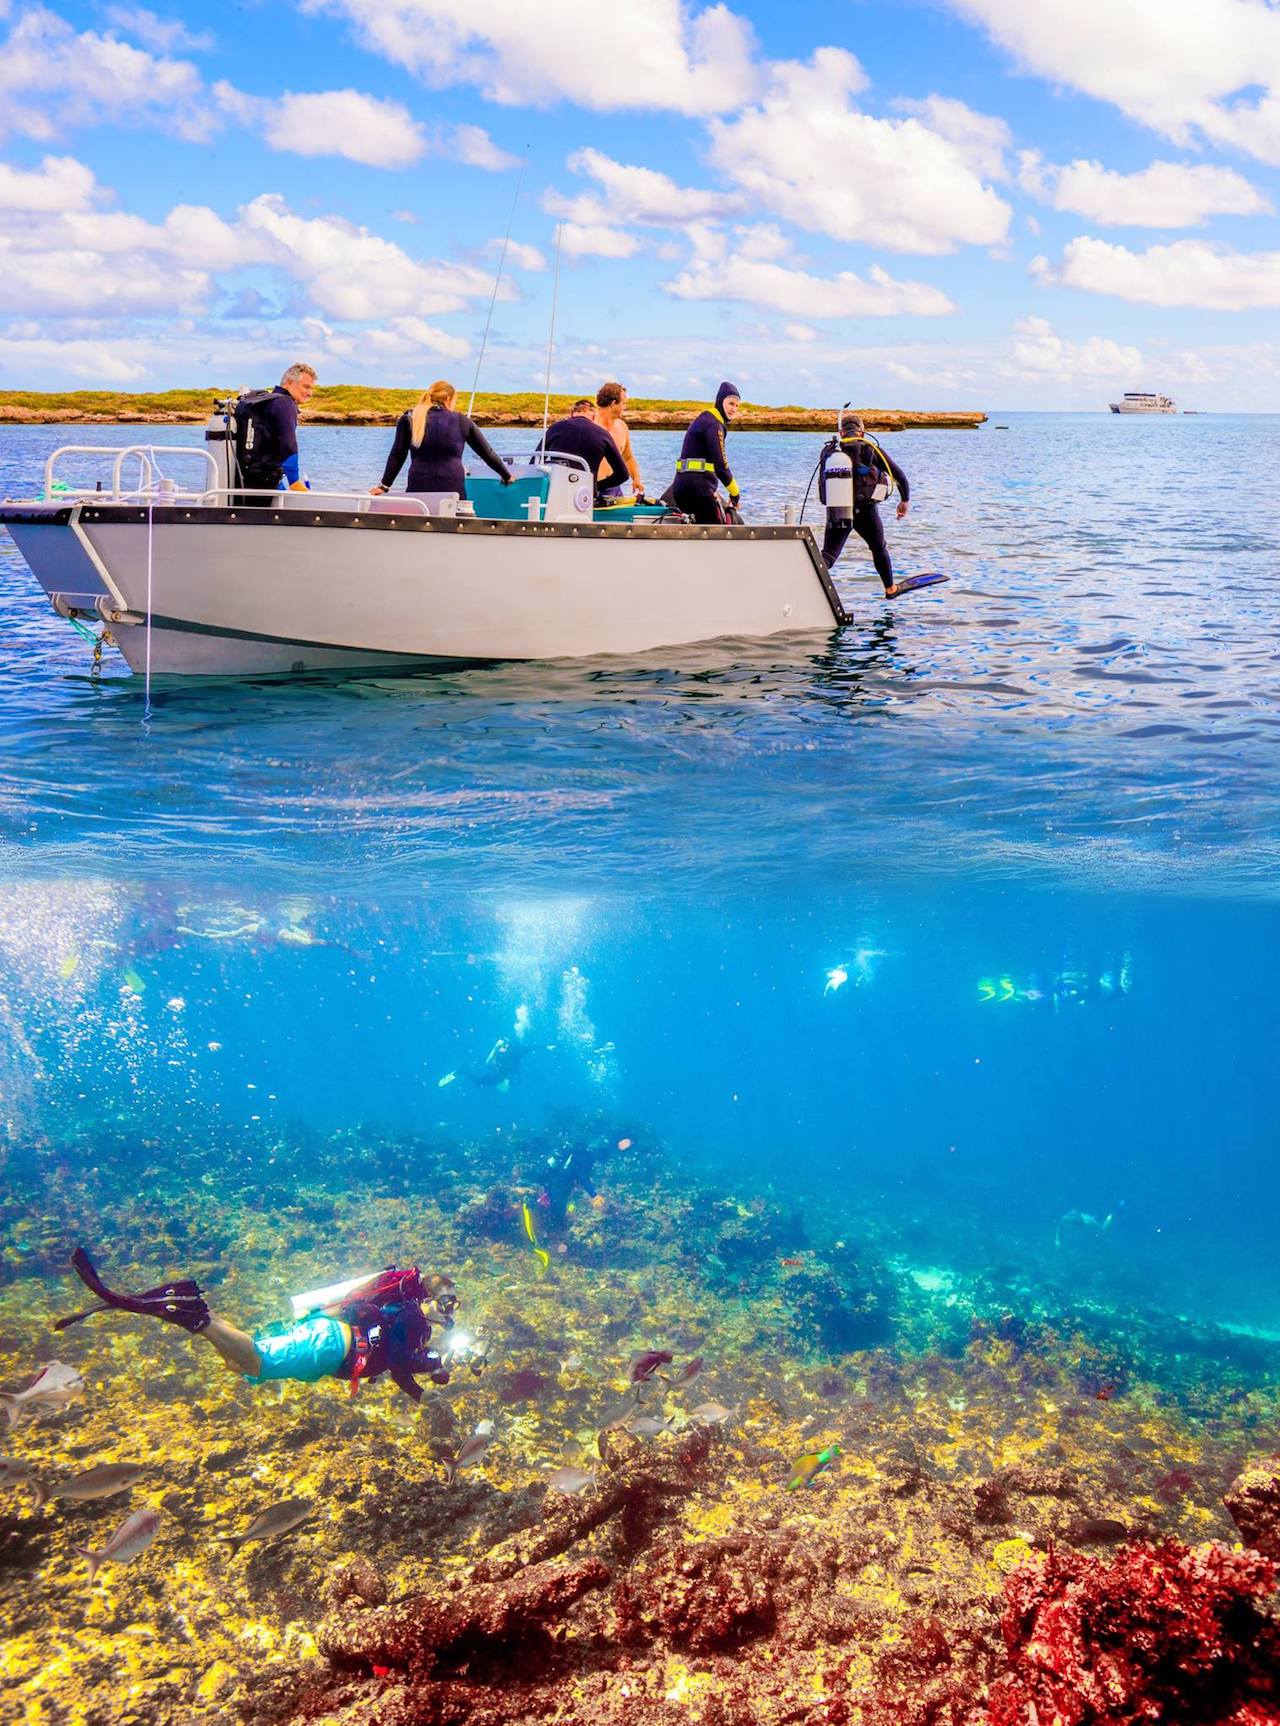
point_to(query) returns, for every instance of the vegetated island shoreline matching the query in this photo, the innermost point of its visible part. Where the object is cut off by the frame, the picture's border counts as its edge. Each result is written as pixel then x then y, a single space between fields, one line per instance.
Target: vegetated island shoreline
pixel 344 404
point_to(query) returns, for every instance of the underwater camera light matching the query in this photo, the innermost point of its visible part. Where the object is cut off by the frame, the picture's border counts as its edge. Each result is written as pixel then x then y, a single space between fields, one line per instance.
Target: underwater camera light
pixel 466 1350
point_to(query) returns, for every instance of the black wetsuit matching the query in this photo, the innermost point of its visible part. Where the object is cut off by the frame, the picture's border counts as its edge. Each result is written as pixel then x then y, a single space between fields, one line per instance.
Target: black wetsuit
pixel 694 493
pixel 267 448
pixel 580 436
pixel 866 515
pixel 436 463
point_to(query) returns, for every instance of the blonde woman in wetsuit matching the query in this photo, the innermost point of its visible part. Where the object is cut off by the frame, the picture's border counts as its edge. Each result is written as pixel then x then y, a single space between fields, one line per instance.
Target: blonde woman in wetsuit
pixel 432 436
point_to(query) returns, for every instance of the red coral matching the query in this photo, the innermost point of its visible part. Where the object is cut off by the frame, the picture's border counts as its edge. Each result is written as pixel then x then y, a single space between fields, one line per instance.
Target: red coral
pixel 1157 1633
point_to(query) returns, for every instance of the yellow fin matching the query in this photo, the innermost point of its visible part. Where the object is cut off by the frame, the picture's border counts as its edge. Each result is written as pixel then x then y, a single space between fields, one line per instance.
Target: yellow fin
pixel 68 965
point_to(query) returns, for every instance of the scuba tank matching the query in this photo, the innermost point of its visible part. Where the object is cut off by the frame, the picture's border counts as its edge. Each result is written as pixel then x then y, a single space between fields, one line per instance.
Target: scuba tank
pixel 220 436
pixel 376 1287
pixel 835 477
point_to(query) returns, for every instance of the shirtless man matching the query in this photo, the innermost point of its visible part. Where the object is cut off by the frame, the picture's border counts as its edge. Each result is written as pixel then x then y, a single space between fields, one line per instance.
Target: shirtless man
pixel 611 399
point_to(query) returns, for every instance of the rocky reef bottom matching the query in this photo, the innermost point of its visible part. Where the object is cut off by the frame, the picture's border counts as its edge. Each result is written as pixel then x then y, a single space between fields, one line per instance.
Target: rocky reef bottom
pixel 1037 1503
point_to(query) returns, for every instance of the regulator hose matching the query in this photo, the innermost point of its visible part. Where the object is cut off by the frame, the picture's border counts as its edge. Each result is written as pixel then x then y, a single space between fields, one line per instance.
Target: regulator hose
pixel 804 506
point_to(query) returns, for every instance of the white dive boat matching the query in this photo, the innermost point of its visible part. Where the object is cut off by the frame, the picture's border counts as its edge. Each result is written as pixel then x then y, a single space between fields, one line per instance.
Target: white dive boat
pixel 1139 402
pixel 206 579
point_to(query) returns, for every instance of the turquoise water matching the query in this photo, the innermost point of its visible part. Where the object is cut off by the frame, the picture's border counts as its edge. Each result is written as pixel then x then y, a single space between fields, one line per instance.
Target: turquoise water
pixel 1031 817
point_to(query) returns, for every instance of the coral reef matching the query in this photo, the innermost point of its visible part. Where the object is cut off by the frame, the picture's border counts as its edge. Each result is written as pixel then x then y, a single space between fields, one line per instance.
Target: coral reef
pixel 682 1582
pixel 1254 1503
pixel 1156 1633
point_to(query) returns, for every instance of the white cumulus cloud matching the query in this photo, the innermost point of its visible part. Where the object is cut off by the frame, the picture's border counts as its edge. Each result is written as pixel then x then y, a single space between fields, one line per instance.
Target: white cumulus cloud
pixel 660 54
pixel 595 240
pixel 53 78
pixel 474 146
pixel 1164 195
pixel 161 35
pixel 1037 351
pixel 750 271
pixel 631 195
pixel 366 129
pixel 1181 67
pixel 808 153
pixel 59 183
pixel 1184 273
pixel 406 339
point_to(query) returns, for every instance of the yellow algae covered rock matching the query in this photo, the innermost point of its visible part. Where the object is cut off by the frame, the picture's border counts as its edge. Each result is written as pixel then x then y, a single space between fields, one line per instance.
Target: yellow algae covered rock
pixel 1007 1555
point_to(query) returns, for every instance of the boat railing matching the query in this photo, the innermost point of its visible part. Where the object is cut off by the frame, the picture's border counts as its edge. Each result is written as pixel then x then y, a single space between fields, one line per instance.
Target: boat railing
pixel 152 481
pixel 358 502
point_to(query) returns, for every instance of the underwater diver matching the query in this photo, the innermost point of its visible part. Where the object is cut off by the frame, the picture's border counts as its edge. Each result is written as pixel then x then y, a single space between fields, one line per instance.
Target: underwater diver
pixel 355 1331
pixel 565 1171
pixel 703 463
pixel 873 468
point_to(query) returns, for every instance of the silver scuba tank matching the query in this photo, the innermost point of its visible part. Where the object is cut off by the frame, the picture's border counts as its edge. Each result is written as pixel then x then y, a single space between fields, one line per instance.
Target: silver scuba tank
pixel 220 440
pixel 837 486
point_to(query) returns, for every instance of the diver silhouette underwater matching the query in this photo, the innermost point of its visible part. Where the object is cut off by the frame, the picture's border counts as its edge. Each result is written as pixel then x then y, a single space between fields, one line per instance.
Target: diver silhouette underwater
pixel 356 1331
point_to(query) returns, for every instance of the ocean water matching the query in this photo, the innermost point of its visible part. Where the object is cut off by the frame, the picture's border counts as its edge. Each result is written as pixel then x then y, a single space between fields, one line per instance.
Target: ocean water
pixel 962 921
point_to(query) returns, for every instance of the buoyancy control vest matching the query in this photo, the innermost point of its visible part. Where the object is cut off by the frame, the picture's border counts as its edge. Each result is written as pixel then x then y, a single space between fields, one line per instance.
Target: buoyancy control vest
pixel 252 432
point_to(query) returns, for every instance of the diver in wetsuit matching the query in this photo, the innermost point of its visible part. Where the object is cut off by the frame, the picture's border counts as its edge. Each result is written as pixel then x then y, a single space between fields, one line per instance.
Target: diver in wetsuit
pixel 872 466
pixel 267 434
pixel 379 1325
pixel 581 434
pixel 433 436
pixel 703 463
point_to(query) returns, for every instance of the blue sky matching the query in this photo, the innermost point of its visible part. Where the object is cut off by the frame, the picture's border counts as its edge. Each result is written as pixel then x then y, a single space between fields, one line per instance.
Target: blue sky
pixel 939 203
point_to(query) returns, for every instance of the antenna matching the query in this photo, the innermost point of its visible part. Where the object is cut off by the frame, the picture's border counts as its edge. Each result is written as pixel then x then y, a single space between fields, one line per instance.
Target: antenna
pixel 497 280
pixel 551 337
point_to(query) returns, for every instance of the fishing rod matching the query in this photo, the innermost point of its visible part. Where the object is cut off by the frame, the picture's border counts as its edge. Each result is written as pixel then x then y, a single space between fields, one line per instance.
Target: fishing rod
pixel 497 281
pixel 551 338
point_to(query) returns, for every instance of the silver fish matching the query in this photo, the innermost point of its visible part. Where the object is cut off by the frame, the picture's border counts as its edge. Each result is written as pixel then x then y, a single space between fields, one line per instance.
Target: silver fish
pixel 624 1412
pixel 15 1472
pixel 571 1480
pixel 472 1450
pixel 712 1413
pixel 281 1518
pixel 101 1481
pixel 53 1387
pixel 648 1425
pixel 688 1372
pixel 133 1536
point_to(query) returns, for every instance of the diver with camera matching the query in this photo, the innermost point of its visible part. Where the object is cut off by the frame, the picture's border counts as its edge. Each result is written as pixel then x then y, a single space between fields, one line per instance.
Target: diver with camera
pixel 355 1331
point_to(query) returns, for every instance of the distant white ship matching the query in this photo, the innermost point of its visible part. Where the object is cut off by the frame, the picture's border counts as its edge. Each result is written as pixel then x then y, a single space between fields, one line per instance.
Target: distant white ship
pixel 1138 402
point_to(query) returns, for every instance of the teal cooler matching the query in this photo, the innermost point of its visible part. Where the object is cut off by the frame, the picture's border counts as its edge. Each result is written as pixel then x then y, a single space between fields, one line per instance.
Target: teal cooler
pixel 630 512
pixel 497 502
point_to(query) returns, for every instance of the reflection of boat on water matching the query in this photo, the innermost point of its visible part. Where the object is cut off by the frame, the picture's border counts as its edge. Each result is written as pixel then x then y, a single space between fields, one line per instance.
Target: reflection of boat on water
pixel 1140 402
pixel 197 580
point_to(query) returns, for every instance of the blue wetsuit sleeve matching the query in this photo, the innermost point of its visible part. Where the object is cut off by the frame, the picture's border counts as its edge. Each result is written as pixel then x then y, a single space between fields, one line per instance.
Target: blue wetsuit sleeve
pixel 399 450
pixel 290 466
pixel 477 441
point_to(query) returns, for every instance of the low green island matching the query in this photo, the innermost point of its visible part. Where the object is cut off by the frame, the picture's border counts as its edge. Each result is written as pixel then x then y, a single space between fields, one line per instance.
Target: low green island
pixel 352 404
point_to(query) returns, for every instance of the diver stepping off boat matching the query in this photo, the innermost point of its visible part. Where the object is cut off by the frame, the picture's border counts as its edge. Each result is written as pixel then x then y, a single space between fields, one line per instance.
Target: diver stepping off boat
pixel 856 477
pixel 354 1331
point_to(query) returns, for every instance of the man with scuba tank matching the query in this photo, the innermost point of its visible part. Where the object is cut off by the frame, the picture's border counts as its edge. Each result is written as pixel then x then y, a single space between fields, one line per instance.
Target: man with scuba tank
pixel 703 464
pixel 266 434
pixel 354 1331
pixel 857 476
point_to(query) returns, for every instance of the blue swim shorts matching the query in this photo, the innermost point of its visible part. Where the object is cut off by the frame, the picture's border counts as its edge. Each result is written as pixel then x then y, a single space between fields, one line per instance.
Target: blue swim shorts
pixel 313 1348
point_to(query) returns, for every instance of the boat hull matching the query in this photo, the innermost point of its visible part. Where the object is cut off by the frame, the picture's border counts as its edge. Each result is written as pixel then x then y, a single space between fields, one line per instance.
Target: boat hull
pixel 267 591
